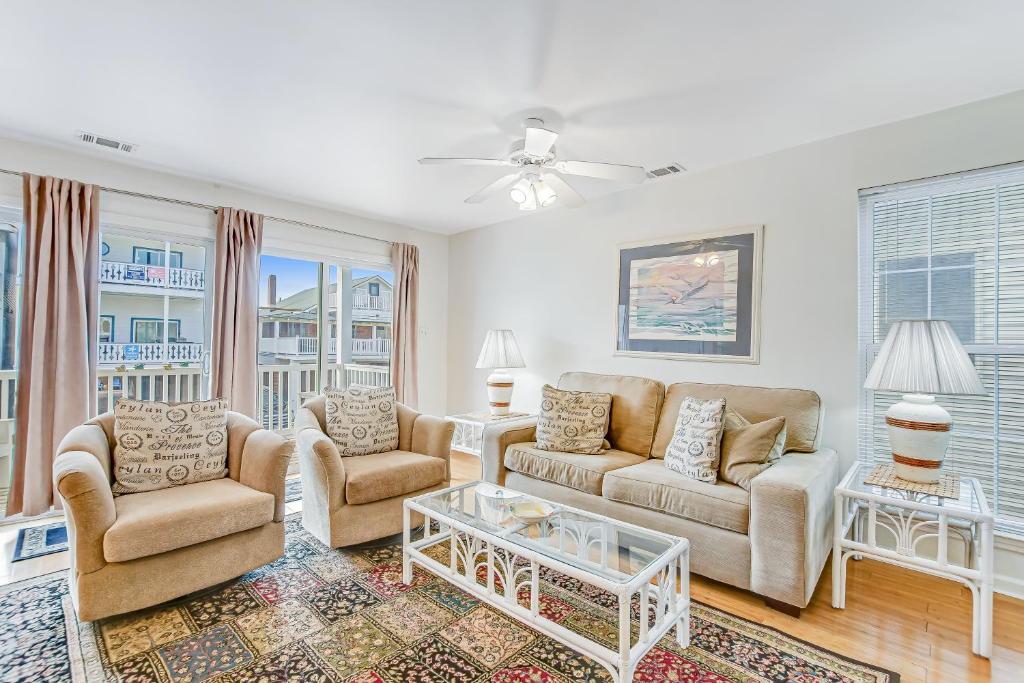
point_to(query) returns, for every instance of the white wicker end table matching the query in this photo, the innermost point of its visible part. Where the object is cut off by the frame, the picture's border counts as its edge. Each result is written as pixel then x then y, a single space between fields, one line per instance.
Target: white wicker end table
pixel 912 530
pixel 469 428
pixel 498 560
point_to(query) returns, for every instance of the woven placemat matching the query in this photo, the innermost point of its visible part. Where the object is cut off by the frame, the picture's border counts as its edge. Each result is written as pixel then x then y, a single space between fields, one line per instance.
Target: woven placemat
pixel 948 485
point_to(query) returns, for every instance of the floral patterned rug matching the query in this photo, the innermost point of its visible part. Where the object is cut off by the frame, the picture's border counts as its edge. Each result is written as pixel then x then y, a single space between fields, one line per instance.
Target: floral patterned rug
pixel 322 615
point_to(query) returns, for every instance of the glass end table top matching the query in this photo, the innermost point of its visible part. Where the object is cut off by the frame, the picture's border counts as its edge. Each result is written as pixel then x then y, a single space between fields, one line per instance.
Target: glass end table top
pixel 971 498
pixel 611 549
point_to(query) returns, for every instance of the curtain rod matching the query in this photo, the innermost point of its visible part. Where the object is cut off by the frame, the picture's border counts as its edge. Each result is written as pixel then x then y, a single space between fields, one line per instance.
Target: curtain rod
pixel 210 207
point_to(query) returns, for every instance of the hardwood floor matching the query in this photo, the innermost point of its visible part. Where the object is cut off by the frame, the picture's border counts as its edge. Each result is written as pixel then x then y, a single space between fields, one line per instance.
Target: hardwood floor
pixel 916 625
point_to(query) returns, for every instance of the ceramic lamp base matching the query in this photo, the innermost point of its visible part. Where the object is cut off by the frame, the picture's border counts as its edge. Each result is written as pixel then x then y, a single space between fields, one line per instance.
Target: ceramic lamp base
pixel 499 392
pixel 919 433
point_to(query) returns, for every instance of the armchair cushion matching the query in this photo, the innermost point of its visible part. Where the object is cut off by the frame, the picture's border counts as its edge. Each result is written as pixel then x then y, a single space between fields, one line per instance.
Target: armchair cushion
pixel 362 420
pixel 575 470
pixel 155 522
pixel 379 476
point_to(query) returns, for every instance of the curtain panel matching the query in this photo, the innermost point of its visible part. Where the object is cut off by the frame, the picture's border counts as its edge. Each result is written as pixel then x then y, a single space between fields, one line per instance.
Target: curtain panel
pixel 57 338
pixel 236 309
pixel 405 260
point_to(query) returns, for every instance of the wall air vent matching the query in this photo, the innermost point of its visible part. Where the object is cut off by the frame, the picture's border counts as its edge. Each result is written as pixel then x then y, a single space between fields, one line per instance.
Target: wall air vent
pixel 669 169
pixel 107 143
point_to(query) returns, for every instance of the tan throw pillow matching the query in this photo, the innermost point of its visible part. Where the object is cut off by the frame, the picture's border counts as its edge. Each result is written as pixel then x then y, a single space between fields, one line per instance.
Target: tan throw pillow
pixel 693 450
pixel 573 421
pixel 749 450
pixel 159 445
pixel 362 420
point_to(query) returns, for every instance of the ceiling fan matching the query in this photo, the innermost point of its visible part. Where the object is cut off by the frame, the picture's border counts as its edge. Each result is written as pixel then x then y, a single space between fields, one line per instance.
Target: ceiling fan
pixel 536 180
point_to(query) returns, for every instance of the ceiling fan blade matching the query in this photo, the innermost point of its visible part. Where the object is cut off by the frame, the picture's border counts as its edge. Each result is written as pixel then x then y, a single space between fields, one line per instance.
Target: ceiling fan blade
pixel 566 194
pixel 539 141
pixel 497 186
pixel 595 169
pixel 464 162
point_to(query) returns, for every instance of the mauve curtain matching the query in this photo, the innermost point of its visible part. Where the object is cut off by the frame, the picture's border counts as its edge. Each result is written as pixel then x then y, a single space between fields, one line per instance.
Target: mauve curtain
pixel 405 260
pixel 236 308
pixel 57 341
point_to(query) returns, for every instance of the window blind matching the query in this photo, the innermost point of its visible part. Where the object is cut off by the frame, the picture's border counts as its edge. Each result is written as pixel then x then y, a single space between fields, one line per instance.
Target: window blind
pixel 953 248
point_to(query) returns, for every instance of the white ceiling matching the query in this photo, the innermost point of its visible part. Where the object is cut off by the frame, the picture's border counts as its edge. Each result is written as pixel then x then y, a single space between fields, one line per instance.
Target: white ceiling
pixel 332 102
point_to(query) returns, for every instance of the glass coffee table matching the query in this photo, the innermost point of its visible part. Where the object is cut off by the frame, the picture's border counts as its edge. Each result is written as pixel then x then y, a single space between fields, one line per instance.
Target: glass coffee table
pixel 497 557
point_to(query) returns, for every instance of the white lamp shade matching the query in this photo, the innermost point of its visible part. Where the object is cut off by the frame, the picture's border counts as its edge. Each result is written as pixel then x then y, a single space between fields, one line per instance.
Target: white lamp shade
pixel 500 351
pixel 924 357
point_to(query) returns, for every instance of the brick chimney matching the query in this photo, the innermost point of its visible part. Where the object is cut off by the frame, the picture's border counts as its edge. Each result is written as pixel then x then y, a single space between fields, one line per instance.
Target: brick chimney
pixel 271 290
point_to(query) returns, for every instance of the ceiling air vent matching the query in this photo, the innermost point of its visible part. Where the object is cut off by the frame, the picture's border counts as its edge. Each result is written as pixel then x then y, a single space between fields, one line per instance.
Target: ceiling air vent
pixel 108 143
pixel 670 169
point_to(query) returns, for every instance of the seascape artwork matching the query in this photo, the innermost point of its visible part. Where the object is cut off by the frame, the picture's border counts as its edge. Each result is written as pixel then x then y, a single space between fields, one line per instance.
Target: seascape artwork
pixel 693 297
pixel 690 297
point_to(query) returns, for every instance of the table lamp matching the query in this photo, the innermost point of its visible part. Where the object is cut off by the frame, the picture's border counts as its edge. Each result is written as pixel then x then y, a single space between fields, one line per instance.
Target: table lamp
pixel 921 358
pixel 500 352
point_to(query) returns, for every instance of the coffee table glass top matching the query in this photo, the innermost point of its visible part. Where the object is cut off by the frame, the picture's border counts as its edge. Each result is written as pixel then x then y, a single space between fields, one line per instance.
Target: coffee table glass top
pixel 611 549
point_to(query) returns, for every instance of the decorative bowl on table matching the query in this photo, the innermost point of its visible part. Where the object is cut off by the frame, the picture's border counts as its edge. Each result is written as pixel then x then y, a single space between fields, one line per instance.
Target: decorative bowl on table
pixel 531 511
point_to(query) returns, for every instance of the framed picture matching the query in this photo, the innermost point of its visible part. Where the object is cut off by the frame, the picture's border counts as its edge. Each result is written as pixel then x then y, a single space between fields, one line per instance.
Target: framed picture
pixel 694 297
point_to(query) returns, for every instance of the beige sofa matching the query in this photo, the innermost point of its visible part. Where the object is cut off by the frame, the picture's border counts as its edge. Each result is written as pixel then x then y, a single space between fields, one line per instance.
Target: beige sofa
pixel 772 540
pixel 138 550
pixel 359 498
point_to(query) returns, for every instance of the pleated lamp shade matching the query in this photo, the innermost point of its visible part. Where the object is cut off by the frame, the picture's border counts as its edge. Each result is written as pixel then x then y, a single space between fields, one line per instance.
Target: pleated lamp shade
pixel 500 350
pixel 924 357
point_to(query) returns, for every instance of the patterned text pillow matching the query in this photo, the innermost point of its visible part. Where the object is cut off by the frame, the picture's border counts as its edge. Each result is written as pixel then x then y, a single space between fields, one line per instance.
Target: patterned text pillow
pixel 159 445
pixel 573 421
pixel 694 449
pixel 362 420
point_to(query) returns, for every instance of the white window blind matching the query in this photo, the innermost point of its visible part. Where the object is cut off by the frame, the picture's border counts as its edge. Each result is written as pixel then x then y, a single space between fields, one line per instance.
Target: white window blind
pixel 953 248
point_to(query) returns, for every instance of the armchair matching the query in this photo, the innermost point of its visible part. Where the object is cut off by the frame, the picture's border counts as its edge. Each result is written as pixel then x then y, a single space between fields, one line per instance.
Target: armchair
pixel 141 549
pixel 359 498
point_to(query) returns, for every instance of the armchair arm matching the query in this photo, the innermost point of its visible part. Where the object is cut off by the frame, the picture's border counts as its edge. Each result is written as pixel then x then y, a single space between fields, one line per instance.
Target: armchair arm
pixel 84 487
pixel 323 474
pixel 433 436
pixel 265 457
pixel 499 437
pixel 791 506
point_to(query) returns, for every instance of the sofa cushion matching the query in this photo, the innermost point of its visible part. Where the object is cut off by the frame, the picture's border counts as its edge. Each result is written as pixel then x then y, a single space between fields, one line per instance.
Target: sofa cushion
pixel 379 476
pixel 575 470
pixel 694 448
pixel 749 450
pixel 652 485
pixel 155 522
pixel 800 407
pixel 636 405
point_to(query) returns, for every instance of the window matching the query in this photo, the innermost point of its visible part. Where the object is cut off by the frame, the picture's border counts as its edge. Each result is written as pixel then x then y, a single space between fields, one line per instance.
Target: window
pixel 106 329
pixel 268 331
pixel 374 288
pixel 154 257
pixel 151 331
pixel 953 248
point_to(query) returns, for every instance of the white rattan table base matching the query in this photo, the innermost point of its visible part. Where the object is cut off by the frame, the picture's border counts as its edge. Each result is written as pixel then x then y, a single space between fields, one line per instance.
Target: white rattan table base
pixel 666 603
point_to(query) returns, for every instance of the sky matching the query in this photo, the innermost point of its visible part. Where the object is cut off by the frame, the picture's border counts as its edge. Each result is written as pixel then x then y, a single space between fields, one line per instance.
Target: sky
pixel 295 275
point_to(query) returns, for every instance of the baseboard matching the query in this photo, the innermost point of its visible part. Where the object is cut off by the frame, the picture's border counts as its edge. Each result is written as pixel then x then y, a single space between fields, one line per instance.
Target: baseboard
pixel 1009 554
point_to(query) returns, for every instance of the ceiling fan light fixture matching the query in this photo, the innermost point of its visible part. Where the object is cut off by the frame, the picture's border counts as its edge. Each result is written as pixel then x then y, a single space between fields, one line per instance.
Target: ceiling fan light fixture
pixel 519 191
pixel 546 196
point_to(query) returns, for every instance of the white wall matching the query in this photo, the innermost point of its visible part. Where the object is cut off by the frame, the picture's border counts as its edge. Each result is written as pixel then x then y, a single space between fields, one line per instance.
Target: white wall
pixel 551 276
pixel 284 239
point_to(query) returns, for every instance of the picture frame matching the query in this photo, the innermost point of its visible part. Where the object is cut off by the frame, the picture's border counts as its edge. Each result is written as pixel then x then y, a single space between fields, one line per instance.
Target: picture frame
pixel 691 297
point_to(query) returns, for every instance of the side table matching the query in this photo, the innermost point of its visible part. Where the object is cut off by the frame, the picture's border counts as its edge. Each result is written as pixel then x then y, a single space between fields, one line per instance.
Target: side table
pixel 912 530
pixel 469 428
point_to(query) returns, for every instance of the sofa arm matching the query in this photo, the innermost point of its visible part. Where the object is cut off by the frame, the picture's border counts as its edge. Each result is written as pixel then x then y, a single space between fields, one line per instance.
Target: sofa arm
pixel 433 436
pixel 84 488
pixel 791 507
pixel 265 457
pixel 323 474
pixel 499 437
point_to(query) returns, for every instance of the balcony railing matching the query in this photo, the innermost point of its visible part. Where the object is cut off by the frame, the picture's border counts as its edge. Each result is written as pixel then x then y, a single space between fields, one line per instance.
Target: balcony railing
pixel 150 353
pixel 307 346
pixel 283 388
pixel 372 303
pixel 119 273
pixel 154 384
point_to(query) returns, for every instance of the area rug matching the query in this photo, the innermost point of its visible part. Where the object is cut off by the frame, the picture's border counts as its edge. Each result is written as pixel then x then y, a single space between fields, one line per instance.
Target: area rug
pixel 36 541
pixel 292 489
pixel 322 615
